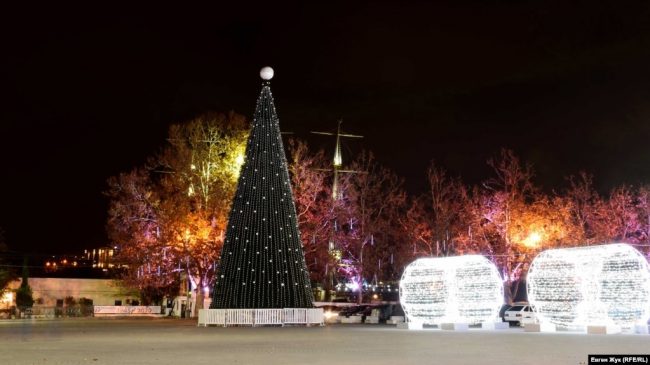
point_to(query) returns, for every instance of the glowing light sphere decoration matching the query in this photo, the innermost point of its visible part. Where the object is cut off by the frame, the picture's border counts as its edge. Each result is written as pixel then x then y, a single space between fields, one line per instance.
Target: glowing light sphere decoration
pixel 266 73
pixel 594 285
pixel 459 289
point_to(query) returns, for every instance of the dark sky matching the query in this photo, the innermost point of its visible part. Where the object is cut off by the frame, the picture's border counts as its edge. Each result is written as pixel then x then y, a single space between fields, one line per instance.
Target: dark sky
pixel 89 92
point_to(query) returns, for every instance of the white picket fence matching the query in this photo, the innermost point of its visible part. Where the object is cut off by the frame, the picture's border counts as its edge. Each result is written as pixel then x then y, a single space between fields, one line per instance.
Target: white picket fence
pixel 261 317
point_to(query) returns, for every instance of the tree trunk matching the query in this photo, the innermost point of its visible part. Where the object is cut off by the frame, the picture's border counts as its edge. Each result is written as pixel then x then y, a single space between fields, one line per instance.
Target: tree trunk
pixel 360 297
pixel 328 284
pixel 507 292
pixel 200 295
pixel 514 293
pixel 199 301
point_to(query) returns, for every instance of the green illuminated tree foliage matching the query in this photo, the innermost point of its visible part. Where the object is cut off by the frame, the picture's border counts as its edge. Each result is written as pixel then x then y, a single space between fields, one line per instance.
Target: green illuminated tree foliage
pixel 24 297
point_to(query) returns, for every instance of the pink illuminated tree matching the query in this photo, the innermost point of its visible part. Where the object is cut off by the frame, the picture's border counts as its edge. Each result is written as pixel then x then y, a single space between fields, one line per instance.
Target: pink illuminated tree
pixel 372 237
pixel 643 216
pixel 435 219
pixel 314 206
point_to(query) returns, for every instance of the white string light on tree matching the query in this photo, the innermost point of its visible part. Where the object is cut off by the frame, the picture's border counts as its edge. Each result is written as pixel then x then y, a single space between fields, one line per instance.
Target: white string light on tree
pixel 460 289
pixel 594 285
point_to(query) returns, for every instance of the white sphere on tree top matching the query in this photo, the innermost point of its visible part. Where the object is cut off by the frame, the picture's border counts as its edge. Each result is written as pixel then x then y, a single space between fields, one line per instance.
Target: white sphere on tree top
pixel 461 289
pixel 594 285
pixel 266 73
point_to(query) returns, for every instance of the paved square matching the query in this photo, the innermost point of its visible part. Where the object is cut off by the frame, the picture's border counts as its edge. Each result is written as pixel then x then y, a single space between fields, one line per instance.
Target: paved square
pixel 167 341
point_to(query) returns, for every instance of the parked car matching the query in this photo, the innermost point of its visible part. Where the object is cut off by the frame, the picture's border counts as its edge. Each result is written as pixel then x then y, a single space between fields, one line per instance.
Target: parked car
pixel 360 314
pixel 356 310
pixel 519 315
pixel 331 312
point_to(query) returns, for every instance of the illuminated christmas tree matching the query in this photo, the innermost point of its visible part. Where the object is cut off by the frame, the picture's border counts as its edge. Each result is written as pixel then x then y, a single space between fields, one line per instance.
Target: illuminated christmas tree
pixel 262 262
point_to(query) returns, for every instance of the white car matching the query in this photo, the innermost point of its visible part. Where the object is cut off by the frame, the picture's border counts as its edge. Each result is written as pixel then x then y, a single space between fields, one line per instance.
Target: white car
pixel 519 314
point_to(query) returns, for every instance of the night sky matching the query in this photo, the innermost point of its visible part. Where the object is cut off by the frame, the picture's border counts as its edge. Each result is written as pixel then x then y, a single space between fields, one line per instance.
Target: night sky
pixel 90 92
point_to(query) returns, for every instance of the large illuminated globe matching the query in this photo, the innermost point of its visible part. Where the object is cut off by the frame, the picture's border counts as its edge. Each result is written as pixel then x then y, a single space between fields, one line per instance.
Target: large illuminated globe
pixel 594 285
pixel 460 289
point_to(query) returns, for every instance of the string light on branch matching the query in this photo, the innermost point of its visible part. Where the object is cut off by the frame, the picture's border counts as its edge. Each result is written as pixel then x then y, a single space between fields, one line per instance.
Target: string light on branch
pixel 594 285
pixel 460 289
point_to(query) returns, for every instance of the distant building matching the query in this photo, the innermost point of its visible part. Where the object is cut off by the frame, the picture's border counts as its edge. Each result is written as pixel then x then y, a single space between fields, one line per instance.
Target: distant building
pixel 92 276
pixel 92 263
pixel 102 258
pixel 64 262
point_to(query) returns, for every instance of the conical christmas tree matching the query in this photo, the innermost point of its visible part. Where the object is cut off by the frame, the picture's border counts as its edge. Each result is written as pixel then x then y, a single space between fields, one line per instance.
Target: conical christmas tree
pixel 262 262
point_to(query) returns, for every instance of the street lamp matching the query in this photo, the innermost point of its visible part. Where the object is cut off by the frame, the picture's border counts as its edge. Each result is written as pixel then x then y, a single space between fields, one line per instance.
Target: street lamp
pixel 533 239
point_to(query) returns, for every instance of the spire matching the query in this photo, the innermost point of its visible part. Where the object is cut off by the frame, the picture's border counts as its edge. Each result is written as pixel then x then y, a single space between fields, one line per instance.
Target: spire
pixel 338 158
pixel 262 262
pixel 337 161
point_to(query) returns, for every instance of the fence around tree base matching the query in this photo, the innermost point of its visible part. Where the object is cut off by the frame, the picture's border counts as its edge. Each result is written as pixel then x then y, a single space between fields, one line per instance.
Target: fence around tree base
pixel 261 317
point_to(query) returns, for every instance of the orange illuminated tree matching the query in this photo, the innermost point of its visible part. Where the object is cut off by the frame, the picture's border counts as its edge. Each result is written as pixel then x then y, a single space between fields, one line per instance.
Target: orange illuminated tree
pixel 510 220
pixel 6 274
pixel 169 216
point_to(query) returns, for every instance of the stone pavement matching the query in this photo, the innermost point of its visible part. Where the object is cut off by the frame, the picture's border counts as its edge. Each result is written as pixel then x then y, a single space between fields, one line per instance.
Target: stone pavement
pixel 172 341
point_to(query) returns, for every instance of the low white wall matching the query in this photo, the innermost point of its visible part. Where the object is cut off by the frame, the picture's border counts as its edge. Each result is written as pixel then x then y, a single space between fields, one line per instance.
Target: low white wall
pixel 101 291
pixel 139 310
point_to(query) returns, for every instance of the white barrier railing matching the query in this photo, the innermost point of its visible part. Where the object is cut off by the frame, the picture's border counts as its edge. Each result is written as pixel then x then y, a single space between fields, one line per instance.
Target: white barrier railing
pixel 268 317
pixel 295 315
pixel 213 316
pixel 316 316
pixel 261 317
pixel 240 316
